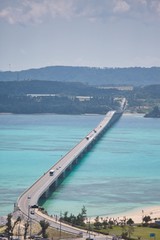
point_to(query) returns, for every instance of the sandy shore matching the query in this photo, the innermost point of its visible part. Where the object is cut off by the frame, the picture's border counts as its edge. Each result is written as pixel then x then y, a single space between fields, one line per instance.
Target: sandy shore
pixel 136 215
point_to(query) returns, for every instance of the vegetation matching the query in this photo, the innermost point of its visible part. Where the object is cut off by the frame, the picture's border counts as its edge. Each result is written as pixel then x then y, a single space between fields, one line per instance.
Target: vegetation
pixel 26 226
pixel 53 97
pixel 13 226
pixel 136 232
pixel 44 225
pixel 125 228
pixel 78 220
pixel 73 98
pixel 146 220
pixel 136 76
pixel 155 113
pixel 10 226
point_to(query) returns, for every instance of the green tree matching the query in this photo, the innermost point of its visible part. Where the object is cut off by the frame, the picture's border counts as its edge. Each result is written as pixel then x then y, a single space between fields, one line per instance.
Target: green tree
pixel 147 219
pixel 76 220
pixel 81 217
pixel 111 223
pixel 130 222
pixel 65 216
pixel 105 223
pixel 44 225
pixel 26 225
pixel 10 227
pixel 73 219
pixel 83 213
pixel 97 223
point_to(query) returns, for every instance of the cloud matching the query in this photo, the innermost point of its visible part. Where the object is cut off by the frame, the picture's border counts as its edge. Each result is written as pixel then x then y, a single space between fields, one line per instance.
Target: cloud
pixel 155 5
pixel 121 6
pixel 23 13
pixel 37 11
pixel 33 11
pixel 143 2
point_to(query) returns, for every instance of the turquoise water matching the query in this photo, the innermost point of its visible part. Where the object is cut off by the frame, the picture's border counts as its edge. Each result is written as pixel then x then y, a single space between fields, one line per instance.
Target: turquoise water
pixel 120 173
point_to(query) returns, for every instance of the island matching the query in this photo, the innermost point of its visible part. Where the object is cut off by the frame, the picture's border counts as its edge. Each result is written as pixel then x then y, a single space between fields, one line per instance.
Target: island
pixel 155 113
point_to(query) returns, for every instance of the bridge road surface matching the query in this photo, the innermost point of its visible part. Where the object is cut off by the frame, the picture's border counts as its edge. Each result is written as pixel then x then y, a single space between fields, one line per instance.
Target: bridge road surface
pixel 32 195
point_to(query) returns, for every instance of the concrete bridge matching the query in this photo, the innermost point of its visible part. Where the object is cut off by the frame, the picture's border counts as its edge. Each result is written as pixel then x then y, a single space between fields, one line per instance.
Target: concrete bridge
pixel 47 183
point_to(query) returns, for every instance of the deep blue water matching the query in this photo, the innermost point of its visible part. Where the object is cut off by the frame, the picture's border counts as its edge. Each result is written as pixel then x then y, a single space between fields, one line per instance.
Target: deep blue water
pixel 120 173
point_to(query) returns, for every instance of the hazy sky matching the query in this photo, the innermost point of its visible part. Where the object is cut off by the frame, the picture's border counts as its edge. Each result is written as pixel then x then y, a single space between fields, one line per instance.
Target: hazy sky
pixel 95 33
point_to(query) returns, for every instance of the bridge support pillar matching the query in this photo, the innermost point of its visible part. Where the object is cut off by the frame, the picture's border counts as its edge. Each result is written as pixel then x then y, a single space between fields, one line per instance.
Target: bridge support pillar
pixel 70 167
pixel 47 193
pixel 76 160
pixel 56 183
pixel 64 174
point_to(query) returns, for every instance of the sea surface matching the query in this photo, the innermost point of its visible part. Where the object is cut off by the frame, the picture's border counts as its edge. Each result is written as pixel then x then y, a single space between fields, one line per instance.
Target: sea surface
pixel 119 174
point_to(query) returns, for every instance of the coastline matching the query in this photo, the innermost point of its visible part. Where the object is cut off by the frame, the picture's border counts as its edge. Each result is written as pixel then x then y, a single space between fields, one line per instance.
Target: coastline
pixel 136 214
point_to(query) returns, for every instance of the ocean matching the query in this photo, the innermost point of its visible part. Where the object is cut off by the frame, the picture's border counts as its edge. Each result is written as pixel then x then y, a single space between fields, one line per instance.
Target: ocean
pixel 119 174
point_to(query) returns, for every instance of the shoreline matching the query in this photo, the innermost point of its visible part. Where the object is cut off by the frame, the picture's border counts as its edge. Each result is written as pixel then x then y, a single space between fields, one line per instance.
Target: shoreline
pixel 53 113
pixel 136 214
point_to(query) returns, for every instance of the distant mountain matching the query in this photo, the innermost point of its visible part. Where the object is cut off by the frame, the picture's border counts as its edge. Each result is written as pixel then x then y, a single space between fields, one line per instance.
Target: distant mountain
pixel 93 76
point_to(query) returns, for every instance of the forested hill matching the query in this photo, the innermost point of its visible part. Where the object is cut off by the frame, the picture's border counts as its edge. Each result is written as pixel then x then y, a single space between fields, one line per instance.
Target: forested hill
pixel 93 76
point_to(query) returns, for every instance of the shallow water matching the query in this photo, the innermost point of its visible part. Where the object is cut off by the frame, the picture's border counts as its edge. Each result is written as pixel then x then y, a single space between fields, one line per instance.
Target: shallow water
pixel 120 173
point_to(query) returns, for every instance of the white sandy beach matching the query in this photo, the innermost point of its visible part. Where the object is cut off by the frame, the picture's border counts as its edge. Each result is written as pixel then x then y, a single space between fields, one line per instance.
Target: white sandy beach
pixel 137 214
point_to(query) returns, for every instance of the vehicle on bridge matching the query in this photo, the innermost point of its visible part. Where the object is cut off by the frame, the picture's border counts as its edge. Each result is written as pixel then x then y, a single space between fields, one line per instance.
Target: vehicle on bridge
pixel 47 183
pixel 51 172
